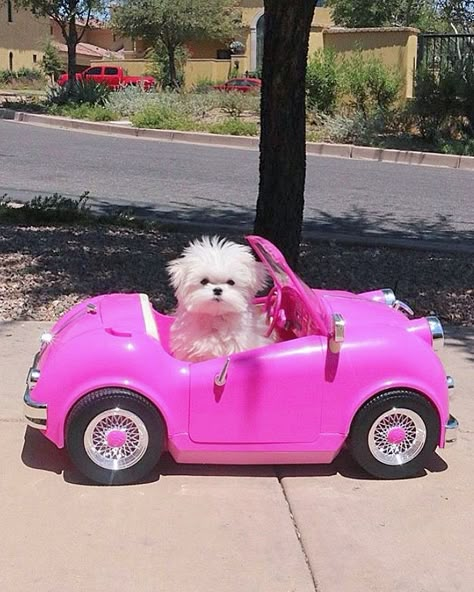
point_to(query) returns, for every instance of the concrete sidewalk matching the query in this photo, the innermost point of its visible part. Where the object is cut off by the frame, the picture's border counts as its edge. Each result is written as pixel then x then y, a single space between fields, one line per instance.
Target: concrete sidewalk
pixel 225 529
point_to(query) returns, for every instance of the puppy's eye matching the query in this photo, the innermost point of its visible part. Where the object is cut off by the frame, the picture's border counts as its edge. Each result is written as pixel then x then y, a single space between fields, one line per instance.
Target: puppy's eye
pixel 204 282
pixel 231 282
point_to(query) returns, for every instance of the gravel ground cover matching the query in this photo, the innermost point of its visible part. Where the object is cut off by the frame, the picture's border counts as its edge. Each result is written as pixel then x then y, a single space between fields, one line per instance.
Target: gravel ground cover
pixel 44 270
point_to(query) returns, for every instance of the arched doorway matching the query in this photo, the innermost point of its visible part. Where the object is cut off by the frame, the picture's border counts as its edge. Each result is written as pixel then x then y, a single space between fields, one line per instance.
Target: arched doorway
pixel 259 49
pixel 256 39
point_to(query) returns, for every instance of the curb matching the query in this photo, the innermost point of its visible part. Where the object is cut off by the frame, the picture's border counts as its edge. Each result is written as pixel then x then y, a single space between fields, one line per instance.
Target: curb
pixel 7 113
pixel 315 148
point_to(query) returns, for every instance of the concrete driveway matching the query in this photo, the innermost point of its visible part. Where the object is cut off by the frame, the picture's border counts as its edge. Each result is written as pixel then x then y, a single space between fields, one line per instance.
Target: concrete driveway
pixel 191 528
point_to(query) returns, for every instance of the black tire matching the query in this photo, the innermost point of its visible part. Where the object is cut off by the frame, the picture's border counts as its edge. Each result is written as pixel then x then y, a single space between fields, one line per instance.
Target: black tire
pixel 149 443
pixel 419 451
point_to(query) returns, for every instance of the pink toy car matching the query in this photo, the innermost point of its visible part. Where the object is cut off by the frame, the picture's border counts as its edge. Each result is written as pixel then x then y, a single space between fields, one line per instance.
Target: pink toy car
pixel 347 369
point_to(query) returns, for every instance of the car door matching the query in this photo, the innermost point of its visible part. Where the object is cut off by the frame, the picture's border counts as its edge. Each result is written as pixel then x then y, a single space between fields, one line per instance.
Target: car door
pixel 111 76
pixel 272 394
pixel 94 73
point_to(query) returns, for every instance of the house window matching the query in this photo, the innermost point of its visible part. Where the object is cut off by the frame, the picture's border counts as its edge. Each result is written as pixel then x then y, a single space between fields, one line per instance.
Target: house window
pixel 114 37
pixel 51 31
pixel 10 11
pixel 10 61
pixel 34 58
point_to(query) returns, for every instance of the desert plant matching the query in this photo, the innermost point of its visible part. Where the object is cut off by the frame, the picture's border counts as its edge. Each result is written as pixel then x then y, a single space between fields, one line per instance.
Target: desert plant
pixel 51 64
pixel 57 208
pixel 234 126
pixel 323 81
pixel 28 73
pixel 203 85
pixel 353 128
pixel 234 103
pixel 80 91
pixel 84 111
pixel 435 101
pixel 370 84
pixel 162 117
pixel 5 76
pixel 464 76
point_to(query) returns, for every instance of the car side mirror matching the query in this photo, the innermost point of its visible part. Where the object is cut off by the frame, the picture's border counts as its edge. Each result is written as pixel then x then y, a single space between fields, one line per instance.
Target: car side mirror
pixel 221 378
pixel 337 332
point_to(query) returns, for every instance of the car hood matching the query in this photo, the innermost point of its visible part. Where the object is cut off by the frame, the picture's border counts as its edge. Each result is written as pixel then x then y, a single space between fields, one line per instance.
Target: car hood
pixel 361 310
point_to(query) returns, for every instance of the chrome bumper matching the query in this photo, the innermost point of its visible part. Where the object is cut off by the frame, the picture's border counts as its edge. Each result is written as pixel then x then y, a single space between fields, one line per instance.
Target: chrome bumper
pixel 36 414
pixel 451 430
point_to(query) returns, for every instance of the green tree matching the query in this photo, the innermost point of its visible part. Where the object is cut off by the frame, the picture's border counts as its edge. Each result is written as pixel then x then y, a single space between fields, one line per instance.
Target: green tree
pixel 51 63
pixel 380 13
pixel 459 13
pixel 168 24
pixel 280 201
pixel 67 14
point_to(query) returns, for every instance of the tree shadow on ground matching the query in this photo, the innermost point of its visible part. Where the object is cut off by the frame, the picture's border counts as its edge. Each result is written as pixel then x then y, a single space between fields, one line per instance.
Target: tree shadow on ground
pixel 40 454
pixel 356 222
pixel 44 270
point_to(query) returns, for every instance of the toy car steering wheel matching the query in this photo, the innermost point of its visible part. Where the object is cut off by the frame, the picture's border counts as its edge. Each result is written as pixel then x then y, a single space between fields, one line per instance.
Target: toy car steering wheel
pixel 272 308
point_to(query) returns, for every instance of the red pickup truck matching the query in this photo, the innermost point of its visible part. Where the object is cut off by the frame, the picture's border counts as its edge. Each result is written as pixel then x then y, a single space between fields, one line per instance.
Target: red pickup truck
pixel 112 76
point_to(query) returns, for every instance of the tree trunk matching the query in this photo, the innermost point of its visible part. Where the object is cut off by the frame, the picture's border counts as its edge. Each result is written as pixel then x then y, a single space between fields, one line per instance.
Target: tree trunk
pixel 172 68
pixel 71 50
pixel 283 132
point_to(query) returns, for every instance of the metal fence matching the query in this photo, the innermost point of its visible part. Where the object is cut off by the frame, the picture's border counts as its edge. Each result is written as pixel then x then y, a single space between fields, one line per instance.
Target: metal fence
pixel 440 50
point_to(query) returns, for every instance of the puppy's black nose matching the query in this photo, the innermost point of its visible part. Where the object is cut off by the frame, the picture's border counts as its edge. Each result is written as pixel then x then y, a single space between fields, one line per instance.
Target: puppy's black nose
pixel 217 291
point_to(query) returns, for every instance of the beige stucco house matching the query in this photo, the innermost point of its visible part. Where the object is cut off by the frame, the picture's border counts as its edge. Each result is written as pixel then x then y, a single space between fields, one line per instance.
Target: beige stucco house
pixel 23 36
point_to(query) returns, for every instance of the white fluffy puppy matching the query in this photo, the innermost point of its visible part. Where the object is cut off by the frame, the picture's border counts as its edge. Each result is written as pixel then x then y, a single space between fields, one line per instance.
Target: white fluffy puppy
pixel 215 281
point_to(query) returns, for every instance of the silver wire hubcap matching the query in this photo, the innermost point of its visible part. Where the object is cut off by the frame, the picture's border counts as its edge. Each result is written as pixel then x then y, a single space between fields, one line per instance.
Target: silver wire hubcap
pixel 116 439
pixel 397 436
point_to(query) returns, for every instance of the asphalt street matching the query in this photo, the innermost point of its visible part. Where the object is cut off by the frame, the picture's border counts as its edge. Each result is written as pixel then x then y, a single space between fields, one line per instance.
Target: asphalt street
pixel 186 182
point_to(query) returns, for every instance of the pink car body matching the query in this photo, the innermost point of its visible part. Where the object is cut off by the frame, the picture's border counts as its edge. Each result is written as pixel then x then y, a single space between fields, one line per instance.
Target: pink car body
pixel 293 401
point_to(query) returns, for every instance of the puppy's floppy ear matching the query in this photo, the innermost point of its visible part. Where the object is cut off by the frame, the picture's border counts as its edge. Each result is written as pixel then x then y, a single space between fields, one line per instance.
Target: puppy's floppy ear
pixel 261 276
pixel 177 272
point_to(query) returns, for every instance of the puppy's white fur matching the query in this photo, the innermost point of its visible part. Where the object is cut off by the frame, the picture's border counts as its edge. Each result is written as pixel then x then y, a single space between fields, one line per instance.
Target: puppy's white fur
pixel 215 281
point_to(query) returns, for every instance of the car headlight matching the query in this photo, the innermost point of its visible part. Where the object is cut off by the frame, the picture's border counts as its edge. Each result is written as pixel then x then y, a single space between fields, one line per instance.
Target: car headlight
pixel 437 333
pixel 389 296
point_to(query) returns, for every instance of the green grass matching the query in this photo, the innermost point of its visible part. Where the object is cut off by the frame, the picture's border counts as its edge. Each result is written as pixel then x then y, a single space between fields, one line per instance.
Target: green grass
pixel 233 126
pixel 84 111
pixel 162 117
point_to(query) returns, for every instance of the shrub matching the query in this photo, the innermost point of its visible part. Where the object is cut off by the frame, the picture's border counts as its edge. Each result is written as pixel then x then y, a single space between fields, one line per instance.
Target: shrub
pixel 234 126
pixel 160 65
pixel 203 85
pixel 5 76
pixel 234 103
pixel 464 76
pixel 56 208
pixel 370 84
pixel 162 117
pixel 435 101
pixel 79 92
pixel 323 81
pixel 22 76
pixel 355 128
pixel 463 147
pixel 51 64
pixel 84 111
pixel 28 73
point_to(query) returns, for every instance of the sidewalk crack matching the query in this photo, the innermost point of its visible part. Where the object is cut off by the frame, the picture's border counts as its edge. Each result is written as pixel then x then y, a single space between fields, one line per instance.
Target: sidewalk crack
pixel 297 531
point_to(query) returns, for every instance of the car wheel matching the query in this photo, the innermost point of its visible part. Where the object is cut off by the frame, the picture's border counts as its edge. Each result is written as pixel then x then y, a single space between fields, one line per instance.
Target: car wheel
pixel 114 436
pixel 394 434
